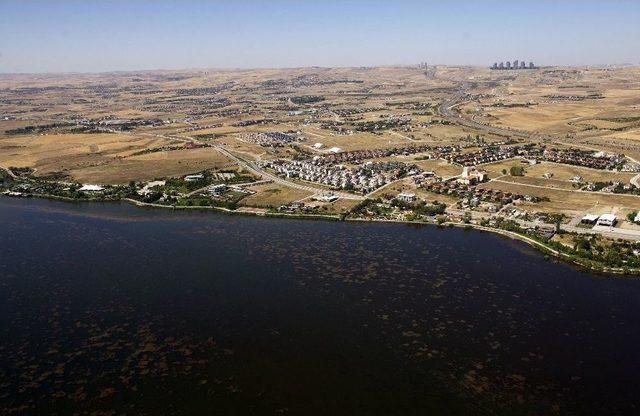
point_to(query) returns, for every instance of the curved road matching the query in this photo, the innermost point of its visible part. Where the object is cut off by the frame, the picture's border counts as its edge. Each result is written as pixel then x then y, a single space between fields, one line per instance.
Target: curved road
pixel 277 179
pixel 13 175
pixel 446 110
pixel 251 166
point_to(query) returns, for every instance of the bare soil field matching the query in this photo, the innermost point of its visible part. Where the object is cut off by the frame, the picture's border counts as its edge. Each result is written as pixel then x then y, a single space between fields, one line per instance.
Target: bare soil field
pixel 558 171
pixel 578 101
pixel 152 166
pixel 138 126
pixel 570 202
pixel 440 167
pixel 52 152
pixel 273 195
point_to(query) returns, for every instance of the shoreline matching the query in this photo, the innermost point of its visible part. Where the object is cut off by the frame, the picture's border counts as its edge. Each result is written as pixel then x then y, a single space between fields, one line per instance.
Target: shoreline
pixel 567 258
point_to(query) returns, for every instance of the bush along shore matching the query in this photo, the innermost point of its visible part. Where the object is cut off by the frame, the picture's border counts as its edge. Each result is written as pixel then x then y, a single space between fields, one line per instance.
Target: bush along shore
pixel 589 251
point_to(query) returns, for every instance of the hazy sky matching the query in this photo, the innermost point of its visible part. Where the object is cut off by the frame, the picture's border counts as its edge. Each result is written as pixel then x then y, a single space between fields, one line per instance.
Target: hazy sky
pixel 65 36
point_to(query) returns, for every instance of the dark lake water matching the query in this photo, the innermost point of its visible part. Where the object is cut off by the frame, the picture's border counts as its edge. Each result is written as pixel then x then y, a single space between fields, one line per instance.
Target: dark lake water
pixel 111 309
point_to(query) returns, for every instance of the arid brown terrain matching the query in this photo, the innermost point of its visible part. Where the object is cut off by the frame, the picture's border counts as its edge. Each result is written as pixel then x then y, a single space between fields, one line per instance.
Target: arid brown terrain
pixel 536 146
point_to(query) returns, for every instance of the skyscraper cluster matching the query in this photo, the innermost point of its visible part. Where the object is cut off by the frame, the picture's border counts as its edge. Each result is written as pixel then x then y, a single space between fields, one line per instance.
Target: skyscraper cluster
pixel 515 65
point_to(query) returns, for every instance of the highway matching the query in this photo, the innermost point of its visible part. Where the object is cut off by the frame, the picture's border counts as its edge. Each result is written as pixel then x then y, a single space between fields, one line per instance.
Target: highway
pixel 446 110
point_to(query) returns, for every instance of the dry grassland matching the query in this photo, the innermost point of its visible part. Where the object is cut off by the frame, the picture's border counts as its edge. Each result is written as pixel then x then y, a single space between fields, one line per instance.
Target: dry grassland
pixel 569 201
pixel 273 195
pixel 152 165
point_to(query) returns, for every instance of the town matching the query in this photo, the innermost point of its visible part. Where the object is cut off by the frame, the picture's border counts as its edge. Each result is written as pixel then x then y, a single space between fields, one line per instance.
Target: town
pixel 358 208
pixel 425 144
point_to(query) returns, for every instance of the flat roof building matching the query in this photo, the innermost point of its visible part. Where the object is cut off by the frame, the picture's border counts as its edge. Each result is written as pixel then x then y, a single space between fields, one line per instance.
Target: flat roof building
pixel 91 188
pixel 608 220
pixel 193 178
pixel 326 198
pixel 589 219
pixel 406 197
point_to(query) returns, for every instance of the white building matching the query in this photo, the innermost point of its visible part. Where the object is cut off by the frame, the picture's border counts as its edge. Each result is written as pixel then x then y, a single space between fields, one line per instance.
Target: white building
pixel 193 178
pixel 91 188
pixel 608 220
pixel 147 188
pixel 326 197
pixel 472 175
pixel 218 189
pixel 589 219
pixel 406 197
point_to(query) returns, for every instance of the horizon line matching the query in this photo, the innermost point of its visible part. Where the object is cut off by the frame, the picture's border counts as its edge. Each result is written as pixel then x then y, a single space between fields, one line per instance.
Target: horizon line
pixel 223 69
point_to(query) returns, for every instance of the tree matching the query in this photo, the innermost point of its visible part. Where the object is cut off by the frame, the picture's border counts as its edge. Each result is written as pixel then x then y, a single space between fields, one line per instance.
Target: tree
pixel 582 244
pixel 516 171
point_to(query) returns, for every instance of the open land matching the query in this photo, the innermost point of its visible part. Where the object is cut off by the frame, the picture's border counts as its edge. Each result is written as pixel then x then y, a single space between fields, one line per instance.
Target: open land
pixel 531 152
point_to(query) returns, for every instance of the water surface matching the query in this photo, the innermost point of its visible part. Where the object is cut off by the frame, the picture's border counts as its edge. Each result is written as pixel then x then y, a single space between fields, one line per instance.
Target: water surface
pixel 112 309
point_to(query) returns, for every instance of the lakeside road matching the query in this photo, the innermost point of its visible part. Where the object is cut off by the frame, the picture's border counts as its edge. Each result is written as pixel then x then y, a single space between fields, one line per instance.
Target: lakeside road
pixel 191 272
pixel 605 231
pixel 445 109
pixel 610 232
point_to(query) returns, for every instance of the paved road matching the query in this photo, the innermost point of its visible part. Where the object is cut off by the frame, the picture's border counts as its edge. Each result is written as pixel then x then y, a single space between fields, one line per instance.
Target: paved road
pixel 611 232
pixel 375 191
pixel 446 110
pixel 13 175
pixel 252 166
pixel 277 179
pixel 401 135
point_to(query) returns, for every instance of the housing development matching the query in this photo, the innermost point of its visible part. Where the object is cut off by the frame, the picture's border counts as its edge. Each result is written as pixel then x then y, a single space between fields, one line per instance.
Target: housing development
pixel 545 154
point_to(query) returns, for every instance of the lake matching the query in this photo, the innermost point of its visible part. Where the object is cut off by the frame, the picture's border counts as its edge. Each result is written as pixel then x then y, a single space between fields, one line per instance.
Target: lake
pixel 113 309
